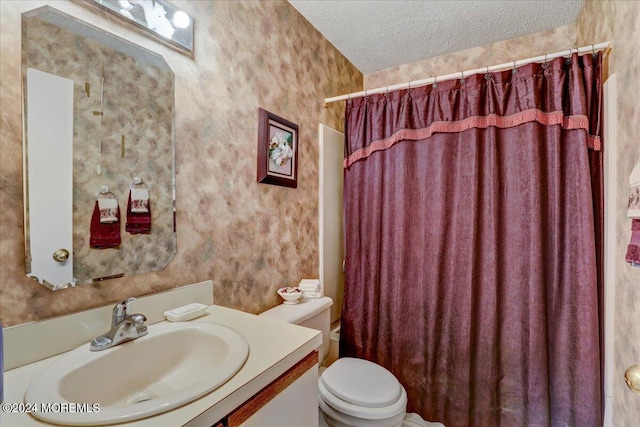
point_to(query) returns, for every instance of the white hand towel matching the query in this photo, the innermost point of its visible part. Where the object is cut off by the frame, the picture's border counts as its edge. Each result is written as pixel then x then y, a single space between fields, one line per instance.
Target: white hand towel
pixel 309 284
pixel 311 295
pixel 633 209
pixel 108 210
pixel 139 200
pixel 311 288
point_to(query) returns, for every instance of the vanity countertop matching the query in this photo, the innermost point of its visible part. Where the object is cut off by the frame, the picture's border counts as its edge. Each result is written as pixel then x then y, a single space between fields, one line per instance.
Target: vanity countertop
pixel 274 347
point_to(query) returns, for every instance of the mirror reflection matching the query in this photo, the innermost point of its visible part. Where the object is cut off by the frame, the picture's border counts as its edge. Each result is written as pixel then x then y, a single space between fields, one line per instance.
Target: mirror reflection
pixel 157 17
pixel 99 153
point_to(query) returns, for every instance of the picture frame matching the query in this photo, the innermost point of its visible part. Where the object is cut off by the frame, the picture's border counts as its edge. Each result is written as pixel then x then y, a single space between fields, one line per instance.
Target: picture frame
pixel 277 150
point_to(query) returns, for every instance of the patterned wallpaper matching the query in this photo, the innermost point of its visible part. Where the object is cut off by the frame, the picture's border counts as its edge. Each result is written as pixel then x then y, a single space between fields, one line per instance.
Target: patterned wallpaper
pixel 619 22
pixel 252 238
pixel 249 238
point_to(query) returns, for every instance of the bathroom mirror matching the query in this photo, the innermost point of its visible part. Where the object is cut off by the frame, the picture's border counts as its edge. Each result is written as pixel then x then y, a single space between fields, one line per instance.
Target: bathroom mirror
pixel 98 133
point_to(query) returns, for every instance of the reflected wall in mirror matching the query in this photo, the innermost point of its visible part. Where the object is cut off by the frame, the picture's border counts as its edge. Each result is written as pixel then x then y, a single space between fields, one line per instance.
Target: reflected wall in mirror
pixel 99 125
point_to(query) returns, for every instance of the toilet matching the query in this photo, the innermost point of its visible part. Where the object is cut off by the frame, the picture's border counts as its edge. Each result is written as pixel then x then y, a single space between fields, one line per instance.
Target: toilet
pixel 351 392
pixel 311 313
pixel 359 393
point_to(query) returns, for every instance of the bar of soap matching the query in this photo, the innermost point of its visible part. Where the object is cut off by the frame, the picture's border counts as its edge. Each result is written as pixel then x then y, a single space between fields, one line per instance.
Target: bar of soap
pixel 186 312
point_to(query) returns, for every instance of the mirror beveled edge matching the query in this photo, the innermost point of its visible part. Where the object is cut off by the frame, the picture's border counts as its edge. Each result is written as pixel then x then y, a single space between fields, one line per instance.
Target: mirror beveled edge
pixel 134 136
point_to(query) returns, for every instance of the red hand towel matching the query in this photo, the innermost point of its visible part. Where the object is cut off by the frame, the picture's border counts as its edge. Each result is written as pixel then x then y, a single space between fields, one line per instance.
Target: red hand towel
pixel 633 250
pixel 104 235
pixel 138 222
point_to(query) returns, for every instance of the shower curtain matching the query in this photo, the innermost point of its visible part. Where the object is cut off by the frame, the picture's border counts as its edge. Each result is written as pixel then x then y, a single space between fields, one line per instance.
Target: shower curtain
pixel 473 244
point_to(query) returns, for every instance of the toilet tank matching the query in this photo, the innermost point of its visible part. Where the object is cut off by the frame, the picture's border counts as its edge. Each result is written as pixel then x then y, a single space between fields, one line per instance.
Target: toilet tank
pixel 311 313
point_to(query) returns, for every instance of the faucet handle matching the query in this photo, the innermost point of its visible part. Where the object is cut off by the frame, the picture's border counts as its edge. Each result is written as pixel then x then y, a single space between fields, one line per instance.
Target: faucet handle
pixel 120 311
pixel 138 322
pixel 138 319
pixel 126 304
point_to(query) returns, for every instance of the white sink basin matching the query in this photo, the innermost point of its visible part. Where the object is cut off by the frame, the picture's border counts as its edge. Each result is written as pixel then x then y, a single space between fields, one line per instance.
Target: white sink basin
pixel 174 364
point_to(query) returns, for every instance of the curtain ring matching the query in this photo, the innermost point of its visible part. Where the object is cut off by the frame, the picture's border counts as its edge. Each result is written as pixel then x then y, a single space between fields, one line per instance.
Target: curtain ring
pixel 435 82
pixel 545 64
pixel 514 70
pixel 462 76
pixel 567 60
pixel 487 74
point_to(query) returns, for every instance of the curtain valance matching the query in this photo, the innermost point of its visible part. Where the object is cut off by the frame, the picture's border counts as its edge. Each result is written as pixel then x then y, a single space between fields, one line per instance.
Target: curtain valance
pixel 562 92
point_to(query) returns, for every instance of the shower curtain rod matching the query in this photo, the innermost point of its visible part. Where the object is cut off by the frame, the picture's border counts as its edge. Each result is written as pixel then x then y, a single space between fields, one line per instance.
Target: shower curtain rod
pixel 591 48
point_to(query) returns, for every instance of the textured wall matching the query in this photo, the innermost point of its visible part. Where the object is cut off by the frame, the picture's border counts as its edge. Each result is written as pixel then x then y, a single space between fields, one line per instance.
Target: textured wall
pixel 619 22
pixel 248 238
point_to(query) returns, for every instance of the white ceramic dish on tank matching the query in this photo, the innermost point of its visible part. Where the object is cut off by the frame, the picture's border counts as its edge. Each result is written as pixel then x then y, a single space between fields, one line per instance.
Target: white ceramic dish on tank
pixel 290 295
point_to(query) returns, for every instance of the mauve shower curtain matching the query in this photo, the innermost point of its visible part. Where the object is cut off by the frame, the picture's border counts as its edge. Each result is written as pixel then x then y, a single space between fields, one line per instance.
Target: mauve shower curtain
pixel 472 244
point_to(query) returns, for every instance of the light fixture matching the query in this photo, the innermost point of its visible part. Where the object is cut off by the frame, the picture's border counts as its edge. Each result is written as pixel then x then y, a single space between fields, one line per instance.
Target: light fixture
pixel 156 16
pixel 181 20
pixel 125 4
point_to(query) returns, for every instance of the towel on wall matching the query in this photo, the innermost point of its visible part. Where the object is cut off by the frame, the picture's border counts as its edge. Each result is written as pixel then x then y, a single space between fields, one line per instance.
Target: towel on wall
pixel 138 212
pixel 139 200
pixel 109 211
pixel 633 209
pixel 105 234
pixel 633 250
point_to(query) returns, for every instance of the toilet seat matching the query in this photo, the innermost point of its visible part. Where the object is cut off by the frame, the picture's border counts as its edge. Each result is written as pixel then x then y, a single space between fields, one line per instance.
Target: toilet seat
pixel 362 389
pixel 334 418
pixel 361 383
pixel 363 412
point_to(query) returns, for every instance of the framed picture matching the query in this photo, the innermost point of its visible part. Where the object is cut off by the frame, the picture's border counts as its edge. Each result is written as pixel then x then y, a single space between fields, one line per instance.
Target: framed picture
pixel 277 150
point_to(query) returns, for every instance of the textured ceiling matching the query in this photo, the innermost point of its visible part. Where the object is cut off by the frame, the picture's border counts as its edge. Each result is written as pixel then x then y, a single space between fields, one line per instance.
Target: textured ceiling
pixel 379 34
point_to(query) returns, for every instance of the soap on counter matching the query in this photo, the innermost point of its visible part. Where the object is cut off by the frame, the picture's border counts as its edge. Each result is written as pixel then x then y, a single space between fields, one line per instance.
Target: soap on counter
pixel 186 312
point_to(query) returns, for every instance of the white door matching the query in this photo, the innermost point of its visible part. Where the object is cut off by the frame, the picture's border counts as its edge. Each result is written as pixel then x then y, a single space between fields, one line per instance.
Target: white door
pixel 50 175
pixel 331 228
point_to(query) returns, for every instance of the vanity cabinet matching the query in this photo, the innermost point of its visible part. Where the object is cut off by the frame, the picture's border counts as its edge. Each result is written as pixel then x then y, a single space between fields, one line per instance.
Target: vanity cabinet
pixel 276 387
pixel 290 400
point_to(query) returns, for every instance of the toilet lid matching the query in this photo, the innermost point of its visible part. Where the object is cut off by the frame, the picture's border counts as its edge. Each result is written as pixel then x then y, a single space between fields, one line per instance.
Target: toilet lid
pixel 362 383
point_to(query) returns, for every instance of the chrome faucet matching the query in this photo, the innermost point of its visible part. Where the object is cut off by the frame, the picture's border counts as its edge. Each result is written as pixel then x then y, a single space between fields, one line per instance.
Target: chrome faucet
pixel 124 327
